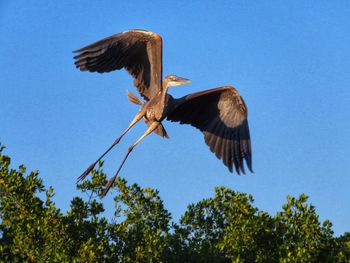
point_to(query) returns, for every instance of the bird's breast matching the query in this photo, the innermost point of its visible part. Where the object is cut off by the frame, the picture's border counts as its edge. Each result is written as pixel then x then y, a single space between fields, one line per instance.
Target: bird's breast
pixel 154 111
pixel 151 114
pixel 156 108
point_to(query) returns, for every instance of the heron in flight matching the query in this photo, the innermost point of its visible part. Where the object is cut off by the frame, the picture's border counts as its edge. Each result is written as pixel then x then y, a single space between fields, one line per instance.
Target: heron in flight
pixel 219 113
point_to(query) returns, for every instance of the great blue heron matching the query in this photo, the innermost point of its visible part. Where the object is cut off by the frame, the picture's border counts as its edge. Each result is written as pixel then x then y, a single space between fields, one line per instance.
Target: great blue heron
pixel 220 113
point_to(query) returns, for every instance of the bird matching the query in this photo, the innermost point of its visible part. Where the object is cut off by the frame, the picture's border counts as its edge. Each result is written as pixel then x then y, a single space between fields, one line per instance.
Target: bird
pixel 219 113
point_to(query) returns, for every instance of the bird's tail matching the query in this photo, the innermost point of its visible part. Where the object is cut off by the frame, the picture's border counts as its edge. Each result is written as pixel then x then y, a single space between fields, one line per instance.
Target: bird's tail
pixel 134 99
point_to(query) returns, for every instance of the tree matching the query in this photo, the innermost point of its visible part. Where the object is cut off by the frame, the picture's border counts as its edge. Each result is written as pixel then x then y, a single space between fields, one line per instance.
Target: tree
pixel 225 228
pixel 301 235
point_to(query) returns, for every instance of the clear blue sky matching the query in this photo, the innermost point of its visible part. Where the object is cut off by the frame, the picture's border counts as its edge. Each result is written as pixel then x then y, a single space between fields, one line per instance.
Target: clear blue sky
pixel 290 60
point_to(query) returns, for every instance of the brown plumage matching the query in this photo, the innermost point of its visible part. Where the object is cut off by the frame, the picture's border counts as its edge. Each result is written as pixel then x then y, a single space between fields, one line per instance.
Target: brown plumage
pixel 220 113
pixel 138 51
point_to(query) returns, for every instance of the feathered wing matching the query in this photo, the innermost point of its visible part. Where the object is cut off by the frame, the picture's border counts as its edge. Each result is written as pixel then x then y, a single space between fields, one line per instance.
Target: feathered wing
pixel 221 115
pixel 138 51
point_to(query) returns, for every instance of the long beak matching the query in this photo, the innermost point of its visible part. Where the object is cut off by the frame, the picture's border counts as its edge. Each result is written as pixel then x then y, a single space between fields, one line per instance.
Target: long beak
pixel 183 80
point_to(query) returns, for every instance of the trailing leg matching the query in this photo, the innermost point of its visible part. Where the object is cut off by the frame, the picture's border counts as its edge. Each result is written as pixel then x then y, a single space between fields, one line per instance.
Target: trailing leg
pixel 138 117
pixel 150 129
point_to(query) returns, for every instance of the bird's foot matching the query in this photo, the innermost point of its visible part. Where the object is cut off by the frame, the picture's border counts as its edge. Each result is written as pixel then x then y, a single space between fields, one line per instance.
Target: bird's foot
pixel 86 173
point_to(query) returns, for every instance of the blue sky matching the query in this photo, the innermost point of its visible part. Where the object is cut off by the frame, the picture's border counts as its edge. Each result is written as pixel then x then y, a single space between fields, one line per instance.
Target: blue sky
pixel 290 60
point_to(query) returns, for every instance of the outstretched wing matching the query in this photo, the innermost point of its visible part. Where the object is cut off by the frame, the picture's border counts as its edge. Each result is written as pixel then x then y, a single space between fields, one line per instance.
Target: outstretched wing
pixel 221 115
pixel 138 51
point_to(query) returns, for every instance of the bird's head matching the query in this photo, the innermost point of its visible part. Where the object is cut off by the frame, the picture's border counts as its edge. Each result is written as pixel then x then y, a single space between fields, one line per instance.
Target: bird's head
pixel 172 80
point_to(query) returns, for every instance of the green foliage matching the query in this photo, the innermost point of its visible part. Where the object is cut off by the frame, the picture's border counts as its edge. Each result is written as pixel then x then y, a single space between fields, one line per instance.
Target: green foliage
pixel 301 235
pixel 225 228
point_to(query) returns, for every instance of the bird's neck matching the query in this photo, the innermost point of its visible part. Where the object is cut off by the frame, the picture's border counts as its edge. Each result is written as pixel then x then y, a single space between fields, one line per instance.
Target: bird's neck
pixel 162 95
pixel 165 86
